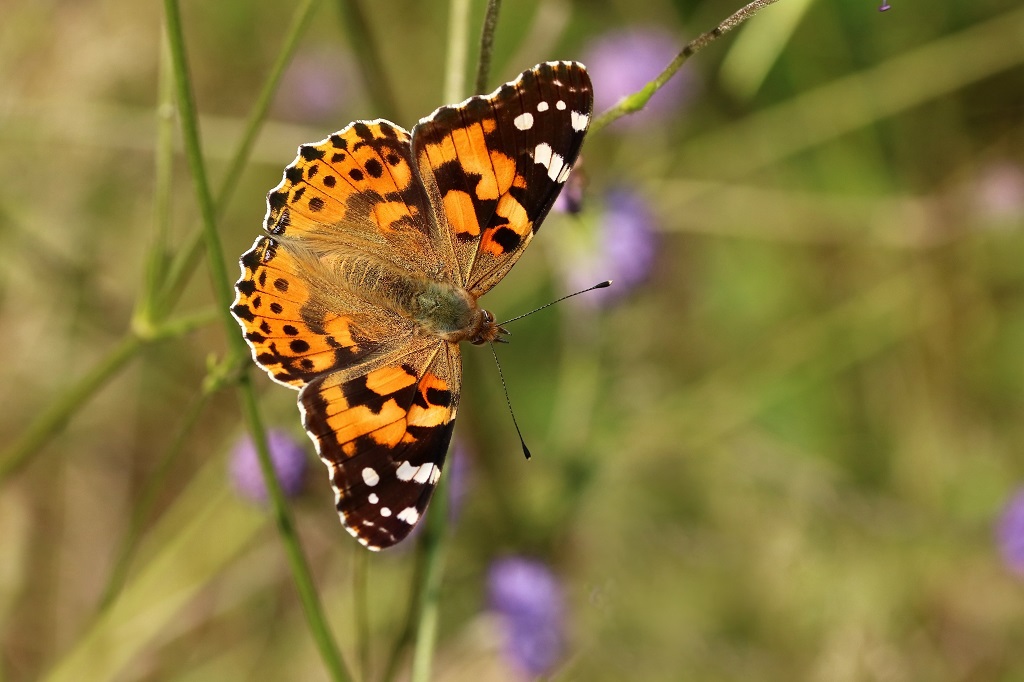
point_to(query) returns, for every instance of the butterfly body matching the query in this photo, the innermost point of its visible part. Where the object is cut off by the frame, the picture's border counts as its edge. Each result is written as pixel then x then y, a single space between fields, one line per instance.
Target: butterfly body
pixel 378 245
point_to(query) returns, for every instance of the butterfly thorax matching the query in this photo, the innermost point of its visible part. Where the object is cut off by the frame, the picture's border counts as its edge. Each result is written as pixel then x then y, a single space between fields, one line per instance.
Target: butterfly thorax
pixel 437 307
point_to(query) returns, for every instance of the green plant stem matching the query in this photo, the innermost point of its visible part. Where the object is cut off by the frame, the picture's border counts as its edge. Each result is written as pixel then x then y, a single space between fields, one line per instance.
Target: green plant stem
pixel 52 420
pixel 157 258
pixel 433 546
pixel 360 35
pixel 638 100
pixel 483 70
pixel 141 512
pixel 408 631
pixel 297 562
pixel 361 615
pixel 458 42
pixel 187 258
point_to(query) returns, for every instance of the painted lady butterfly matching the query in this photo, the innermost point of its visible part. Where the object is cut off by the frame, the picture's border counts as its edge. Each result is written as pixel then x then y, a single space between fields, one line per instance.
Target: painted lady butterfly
pixel 378 244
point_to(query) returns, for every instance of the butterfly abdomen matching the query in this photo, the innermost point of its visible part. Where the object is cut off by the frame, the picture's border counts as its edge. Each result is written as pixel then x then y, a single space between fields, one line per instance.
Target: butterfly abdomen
pixel 437 308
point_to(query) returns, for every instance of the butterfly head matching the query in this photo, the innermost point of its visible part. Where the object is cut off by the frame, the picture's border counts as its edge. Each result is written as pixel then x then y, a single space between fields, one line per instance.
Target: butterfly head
pixel 487 329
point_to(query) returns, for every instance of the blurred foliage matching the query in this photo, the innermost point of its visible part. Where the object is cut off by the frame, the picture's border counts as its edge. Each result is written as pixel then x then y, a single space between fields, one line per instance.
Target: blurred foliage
pixel 782 457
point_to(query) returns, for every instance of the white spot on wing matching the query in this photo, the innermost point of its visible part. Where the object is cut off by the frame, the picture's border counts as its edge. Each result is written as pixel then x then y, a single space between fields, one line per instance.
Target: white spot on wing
pixel 409 515
pixel 560 105
pixel 579 121
pixel 542 106
pixel 523 121
pixel 543 155
pixel 424 473
pixel 564 175
pixel 373 498
pixel 370 477
pixel 406 471
pixel 385 511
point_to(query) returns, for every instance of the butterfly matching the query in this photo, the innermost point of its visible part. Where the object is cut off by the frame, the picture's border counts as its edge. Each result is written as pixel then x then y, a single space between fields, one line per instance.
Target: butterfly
pixel 378 244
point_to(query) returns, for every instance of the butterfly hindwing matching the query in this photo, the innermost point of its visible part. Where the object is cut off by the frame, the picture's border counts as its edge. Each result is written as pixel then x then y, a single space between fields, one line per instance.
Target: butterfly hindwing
pixel 383 430
pixel 493 165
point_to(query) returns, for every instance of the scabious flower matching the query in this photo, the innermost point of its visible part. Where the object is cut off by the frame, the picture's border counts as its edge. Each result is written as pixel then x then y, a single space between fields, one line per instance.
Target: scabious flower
pixel 622 248
pixel 528 599
pixel 1010 533
pixel 287 456
pixel 317 83
pixel 622 62
pixel 999 192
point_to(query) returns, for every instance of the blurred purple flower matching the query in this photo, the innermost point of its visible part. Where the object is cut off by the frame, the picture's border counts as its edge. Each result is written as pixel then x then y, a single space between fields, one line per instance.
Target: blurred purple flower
pixel 316 85
pixel 1000 191
pixel 287 455
pixel 1010 532
pixel 528 598
pixel 623 250
pixel 622 62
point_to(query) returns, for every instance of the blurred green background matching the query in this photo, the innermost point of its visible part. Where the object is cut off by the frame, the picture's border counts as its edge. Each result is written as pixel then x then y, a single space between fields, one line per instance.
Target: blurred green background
pixel 781 455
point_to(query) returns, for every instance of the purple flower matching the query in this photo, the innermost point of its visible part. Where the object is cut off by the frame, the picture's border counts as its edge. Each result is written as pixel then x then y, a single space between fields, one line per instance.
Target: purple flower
pixel 528 599
pixel 623 249
pixel 623 62
pixel 316 85
pixel 1000 191
pixel 287 455
pixel 1010 533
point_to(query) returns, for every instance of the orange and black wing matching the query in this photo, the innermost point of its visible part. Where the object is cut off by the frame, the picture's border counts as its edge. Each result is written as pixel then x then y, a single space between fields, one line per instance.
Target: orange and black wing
pixel 383 432
pixel 354 192
pixel 492 166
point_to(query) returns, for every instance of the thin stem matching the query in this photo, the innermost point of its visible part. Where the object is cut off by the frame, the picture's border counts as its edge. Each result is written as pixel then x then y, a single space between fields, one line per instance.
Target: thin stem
pixel 157 258
pixel 371 66
pixel 154 485
pixel 458 43
pixel 433 545
pixel 483 70
pixel 52 420
pixel 197 166
pixel 361 615
pixel 222 290
pixel 187 258
pixel 301 574
pixel 406 635
pixel 635 102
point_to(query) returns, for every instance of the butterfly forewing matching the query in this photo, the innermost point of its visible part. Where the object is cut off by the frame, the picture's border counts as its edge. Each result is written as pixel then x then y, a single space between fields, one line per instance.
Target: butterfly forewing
pixel 498 162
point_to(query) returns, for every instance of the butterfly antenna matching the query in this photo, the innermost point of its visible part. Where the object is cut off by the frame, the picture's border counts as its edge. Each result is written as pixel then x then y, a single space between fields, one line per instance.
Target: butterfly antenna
pixel 599 285
pixel 526 450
